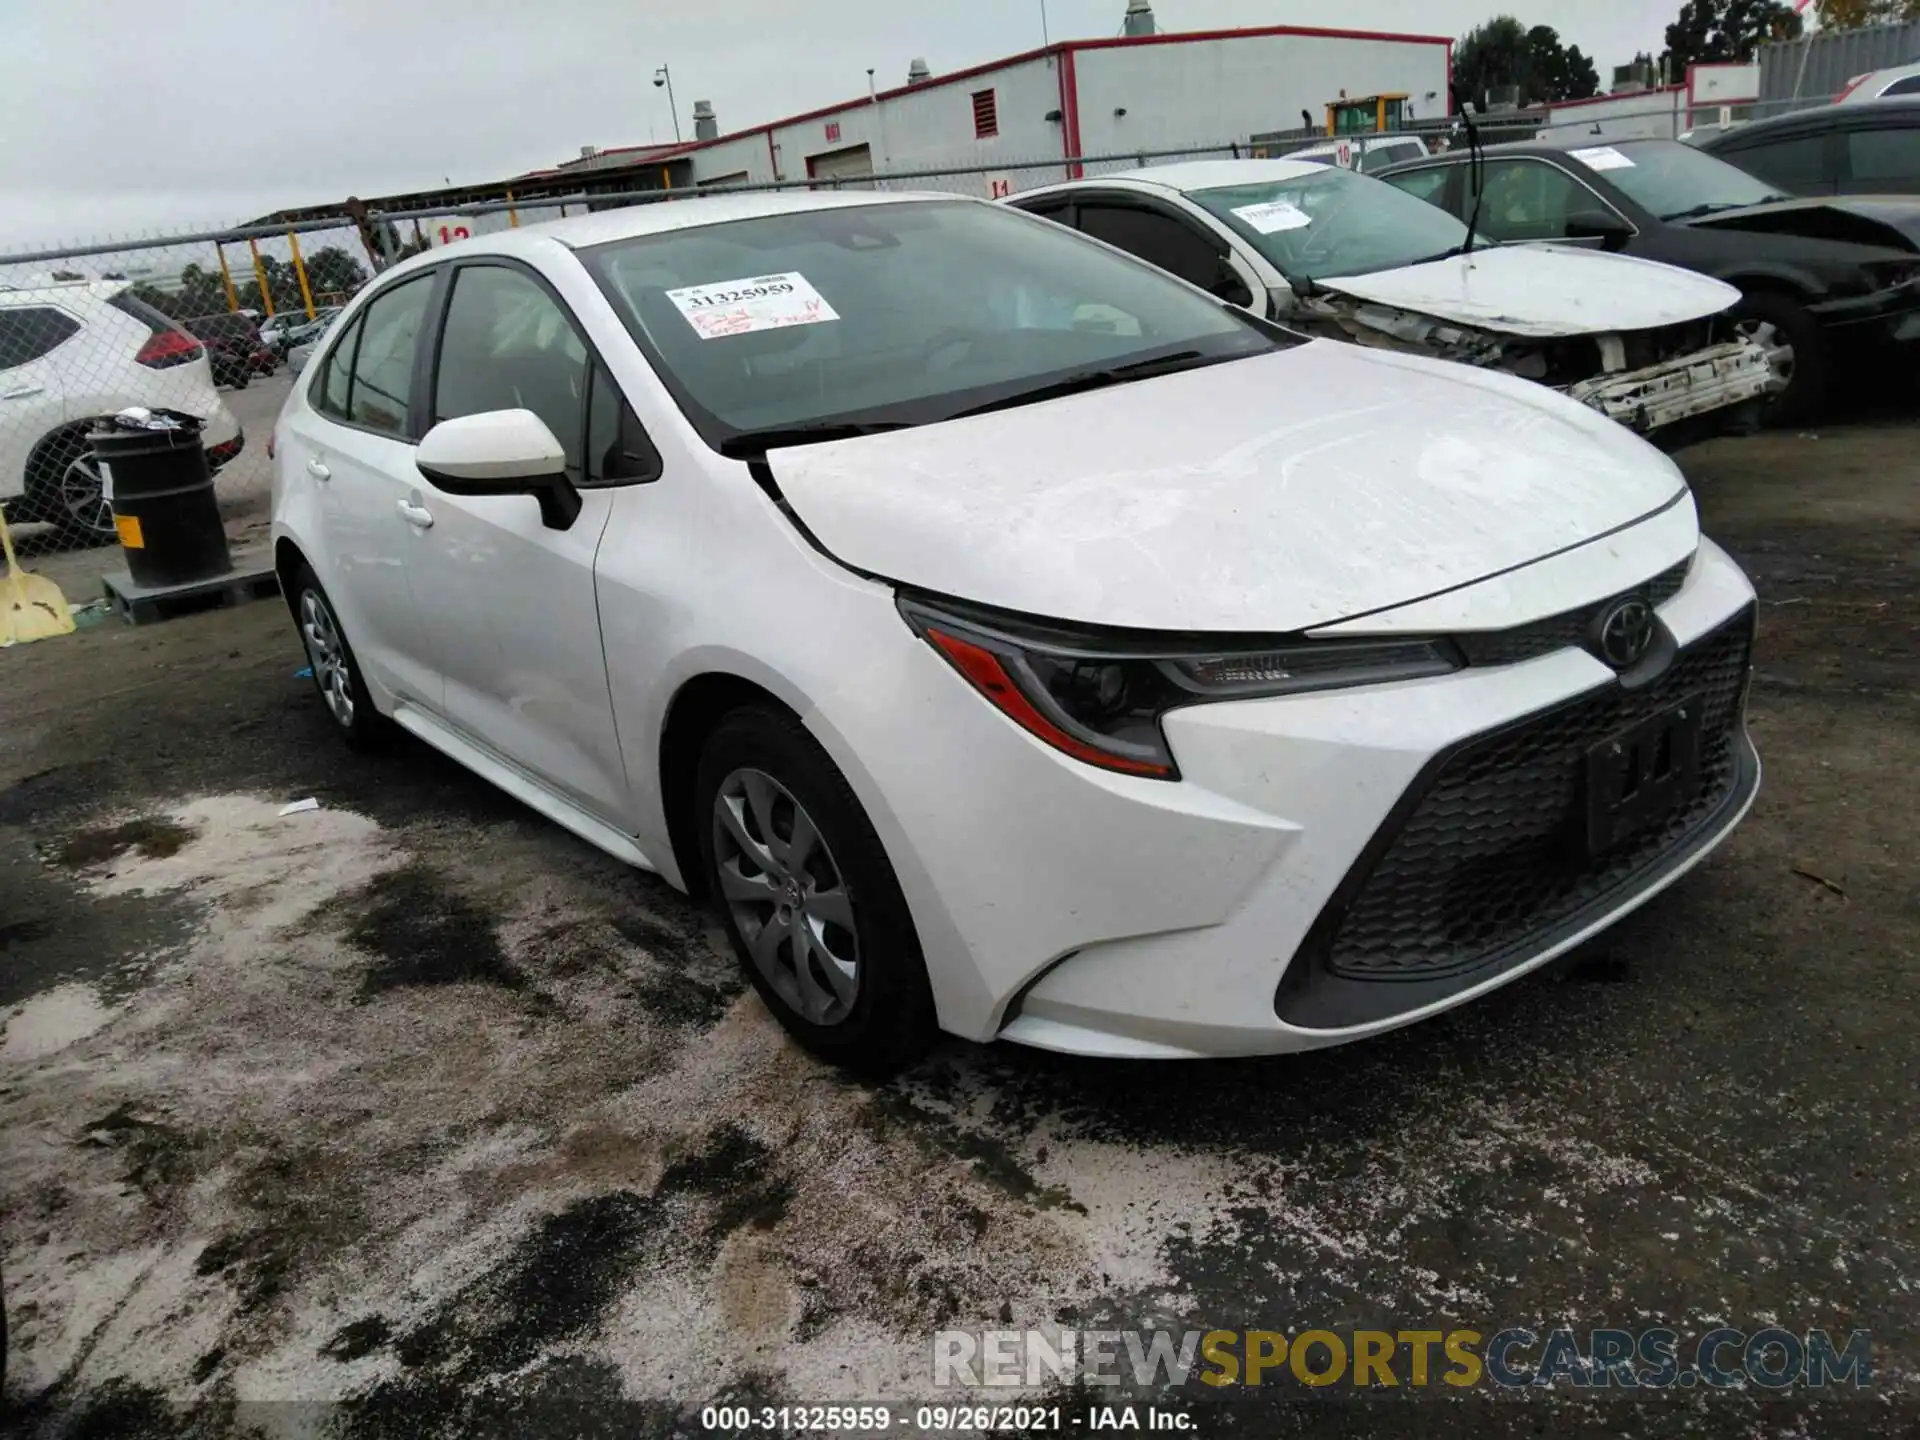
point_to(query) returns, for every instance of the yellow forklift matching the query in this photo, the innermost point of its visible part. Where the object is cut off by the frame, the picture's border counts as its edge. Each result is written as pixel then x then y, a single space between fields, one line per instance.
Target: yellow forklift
pixel 1368 115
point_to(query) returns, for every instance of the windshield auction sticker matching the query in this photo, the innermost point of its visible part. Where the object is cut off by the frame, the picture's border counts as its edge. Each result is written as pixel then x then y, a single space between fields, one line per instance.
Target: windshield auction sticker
pixel 1274 216
pixel 1603 157
pixel 740 307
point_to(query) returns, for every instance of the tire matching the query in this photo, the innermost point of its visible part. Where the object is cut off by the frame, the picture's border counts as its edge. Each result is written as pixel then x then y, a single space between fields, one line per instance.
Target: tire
pixel 336 671
pixel 762 774
pixel 64 487
pixel 1805 397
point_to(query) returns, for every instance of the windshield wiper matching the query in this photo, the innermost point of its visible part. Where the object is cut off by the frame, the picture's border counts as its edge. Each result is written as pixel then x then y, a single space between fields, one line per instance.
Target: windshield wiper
pixel 752 444
pixel 1712 207
pixel 1098 380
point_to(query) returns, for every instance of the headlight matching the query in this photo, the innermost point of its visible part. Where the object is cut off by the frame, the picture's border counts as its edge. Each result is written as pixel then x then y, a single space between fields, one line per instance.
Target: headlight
pixel 1101 700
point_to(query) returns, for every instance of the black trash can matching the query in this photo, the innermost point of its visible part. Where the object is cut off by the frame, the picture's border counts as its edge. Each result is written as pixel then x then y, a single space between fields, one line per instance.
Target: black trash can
pixel 161 490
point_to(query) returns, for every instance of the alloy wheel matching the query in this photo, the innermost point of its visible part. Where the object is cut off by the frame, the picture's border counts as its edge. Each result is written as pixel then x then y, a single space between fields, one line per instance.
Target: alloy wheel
pixel 787 896
pixel 328 655
pixel 83 498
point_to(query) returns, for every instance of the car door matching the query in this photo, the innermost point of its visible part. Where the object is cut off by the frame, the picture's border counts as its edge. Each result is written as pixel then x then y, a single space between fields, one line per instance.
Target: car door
pixel 508 602
pixel 354 441
pixel 1174 243
pixel 32 393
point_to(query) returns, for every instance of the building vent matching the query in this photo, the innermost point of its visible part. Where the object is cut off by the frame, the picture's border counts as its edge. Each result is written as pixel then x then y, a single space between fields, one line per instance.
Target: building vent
pixel 1139 19
pixel 917 72
pixel 706 126
pixel 587 152
pixel 986 115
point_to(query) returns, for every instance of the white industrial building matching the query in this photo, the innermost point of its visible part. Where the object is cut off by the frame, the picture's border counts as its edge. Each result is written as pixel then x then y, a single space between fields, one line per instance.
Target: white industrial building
pixel 1035 113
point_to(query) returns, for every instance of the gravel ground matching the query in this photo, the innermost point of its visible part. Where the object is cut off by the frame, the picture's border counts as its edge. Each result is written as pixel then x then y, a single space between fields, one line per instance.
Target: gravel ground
pixel 412 1115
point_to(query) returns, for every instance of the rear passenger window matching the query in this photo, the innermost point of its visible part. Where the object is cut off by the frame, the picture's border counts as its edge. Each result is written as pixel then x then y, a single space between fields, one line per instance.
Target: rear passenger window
pixel 1886 156
pixel 383 360
pixel 30 331
pixel 329 392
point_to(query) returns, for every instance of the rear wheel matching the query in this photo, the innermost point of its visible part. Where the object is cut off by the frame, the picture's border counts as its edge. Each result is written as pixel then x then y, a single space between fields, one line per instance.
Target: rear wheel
pixel 336 672
pixel 64 486
pixel 1779 320
pixel 809 897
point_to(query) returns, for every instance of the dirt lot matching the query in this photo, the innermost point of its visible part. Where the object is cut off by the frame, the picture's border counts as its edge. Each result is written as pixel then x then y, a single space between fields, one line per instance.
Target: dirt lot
pixel 415 1104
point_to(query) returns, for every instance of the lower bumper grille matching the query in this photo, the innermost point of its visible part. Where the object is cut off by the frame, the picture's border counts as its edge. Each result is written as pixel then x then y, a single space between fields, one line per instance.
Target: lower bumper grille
pixel 1482 862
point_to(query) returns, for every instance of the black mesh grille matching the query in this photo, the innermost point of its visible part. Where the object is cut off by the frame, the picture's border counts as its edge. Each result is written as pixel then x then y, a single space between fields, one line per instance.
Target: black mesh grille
pixel 1491 856
pixel 1562 632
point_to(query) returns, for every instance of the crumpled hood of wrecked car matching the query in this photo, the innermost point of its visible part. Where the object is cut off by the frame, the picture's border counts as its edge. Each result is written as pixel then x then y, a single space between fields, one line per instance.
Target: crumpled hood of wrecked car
pixel 1544 291
pixel 1275 493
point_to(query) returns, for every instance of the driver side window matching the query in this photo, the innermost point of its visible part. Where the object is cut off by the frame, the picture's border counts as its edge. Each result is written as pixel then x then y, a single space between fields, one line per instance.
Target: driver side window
pixel 1530 200
pixel 507 345
pixel 1164 241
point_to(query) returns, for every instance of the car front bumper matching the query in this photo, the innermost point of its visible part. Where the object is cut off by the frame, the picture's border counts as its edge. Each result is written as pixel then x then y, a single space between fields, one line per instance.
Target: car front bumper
pixel 1077 910
pixel 1653 398
pixel 1889 317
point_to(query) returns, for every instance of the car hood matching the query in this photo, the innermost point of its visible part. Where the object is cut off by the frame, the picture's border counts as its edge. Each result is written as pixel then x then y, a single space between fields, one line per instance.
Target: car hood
pixel 1276 493
pixel 1544 290
pixel 1892 221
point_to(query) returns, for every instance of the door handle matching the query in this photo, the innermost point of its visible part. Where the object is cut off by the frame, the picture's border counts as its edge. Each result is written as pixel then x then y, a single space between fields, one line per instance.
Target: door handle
pixel 21 392
pixel 318 471
pixel 417 516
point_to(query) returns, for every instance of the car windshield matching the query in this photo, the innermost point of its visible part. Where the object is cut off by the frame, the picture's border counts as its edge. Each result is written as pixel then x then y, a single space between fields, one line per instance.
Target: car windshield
pixel 897 314
pixel 1334 222
pixel 1674 181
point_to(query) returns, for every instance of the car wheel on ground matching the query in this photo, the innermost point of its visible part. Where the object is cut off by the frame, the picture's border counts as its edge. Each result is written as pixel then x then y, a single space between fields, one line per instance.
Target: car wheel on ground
pixel 809 898
pixel 336 673
pixel 1780 320
pixel 64 486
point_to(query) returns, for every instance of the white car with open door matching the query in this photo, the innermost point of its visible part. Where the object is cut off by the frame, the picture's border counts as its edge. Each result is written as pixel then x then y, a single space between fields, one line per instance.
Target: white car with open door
pixel 1337 253
pixel 1009 638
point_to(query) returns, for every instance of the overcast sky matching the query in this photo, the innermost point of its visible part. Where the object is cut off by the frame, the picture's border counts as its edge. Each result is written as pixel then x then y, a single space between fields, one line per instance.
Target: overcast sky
pixel 125 116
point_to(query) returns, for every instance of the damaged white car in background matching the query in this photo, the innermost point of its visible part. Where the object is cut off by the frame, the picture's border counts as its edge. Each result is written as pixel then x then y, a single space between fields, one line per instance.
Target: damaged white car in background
pixel 1335 253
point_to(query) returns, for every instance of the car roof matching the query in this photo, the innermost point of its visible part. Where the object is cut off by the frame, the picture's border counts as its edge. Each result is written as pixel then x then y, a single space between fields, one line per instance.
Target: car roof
pixel 1863 116
pixel 1190 175
pixel 62 291
pixel 660 217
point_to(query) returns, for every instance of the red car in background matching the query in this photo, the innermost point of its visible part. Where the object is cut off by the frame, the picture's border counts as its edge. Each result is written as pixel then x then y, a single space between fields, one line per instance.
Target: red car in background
pixel 234 348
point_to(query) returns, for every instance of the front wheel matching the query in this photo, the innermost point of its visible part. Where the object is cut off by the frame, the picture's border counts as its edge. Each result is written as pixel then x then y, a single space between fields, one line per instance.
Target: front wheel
pixel 809 897
pixel 1780 321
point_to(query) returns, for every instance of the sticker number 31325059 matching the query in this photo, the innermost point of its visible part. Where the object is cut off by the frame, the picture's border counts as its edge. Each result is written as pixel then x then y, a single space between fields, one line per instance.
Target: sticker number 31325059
pixel 739 307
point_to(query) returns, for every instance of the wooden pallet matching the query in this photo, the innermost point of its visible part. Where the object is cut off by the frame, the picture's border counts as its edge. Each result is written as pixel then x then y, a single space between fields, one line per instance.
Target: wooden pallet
pixel 145 605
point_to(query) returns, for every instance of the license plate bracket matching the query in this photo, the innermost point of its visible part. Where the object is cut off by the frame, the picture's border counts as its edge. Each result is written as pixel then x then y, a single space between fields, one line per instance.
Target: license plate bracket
pixel 1640 775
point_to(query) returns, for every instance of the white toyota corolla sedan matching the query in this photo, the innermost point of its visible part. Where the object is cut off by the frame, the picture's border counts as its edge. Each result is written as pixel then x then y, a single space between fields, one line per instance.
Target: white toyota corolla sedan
pixel 1011 638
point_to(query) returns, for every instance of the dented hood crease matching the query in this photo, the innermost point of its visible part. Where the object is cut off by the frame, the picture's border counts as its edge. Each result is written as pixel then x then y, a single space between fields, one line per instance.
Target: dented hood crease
pixel 1543 291
pixel 1276 493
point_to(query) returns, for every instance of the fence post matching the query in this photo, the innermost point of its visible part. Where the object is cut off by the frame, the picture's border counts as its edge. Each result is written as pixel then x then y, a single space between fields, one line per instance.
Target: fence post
pixel 260 277
pixel 226 276
pixel 513 215
pixel 300 269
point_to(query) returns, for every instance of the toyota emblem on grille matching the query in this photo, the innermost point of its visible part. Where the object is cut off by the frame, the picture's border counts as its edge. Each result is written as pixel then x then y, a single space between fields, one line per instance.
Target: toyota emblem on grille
pixel 1626 633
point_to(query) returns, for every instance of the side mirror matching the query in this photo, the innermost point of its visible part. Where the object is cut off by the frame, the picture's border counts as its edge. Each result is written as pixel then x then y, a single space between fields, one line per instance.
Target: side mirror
pixel 1609 229
pixel 501 452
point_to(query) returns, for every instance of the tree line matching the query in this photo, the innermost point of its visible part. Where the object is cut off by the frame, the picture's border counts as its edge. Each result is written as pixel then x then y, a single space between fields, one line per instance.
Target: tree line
pixel 1505 57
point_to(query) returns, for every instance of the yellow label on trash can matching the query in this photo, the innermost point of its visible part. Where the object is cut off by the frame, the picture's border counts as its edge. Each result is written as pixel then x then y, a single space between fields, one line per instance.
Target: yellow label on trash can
pixel 129 528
